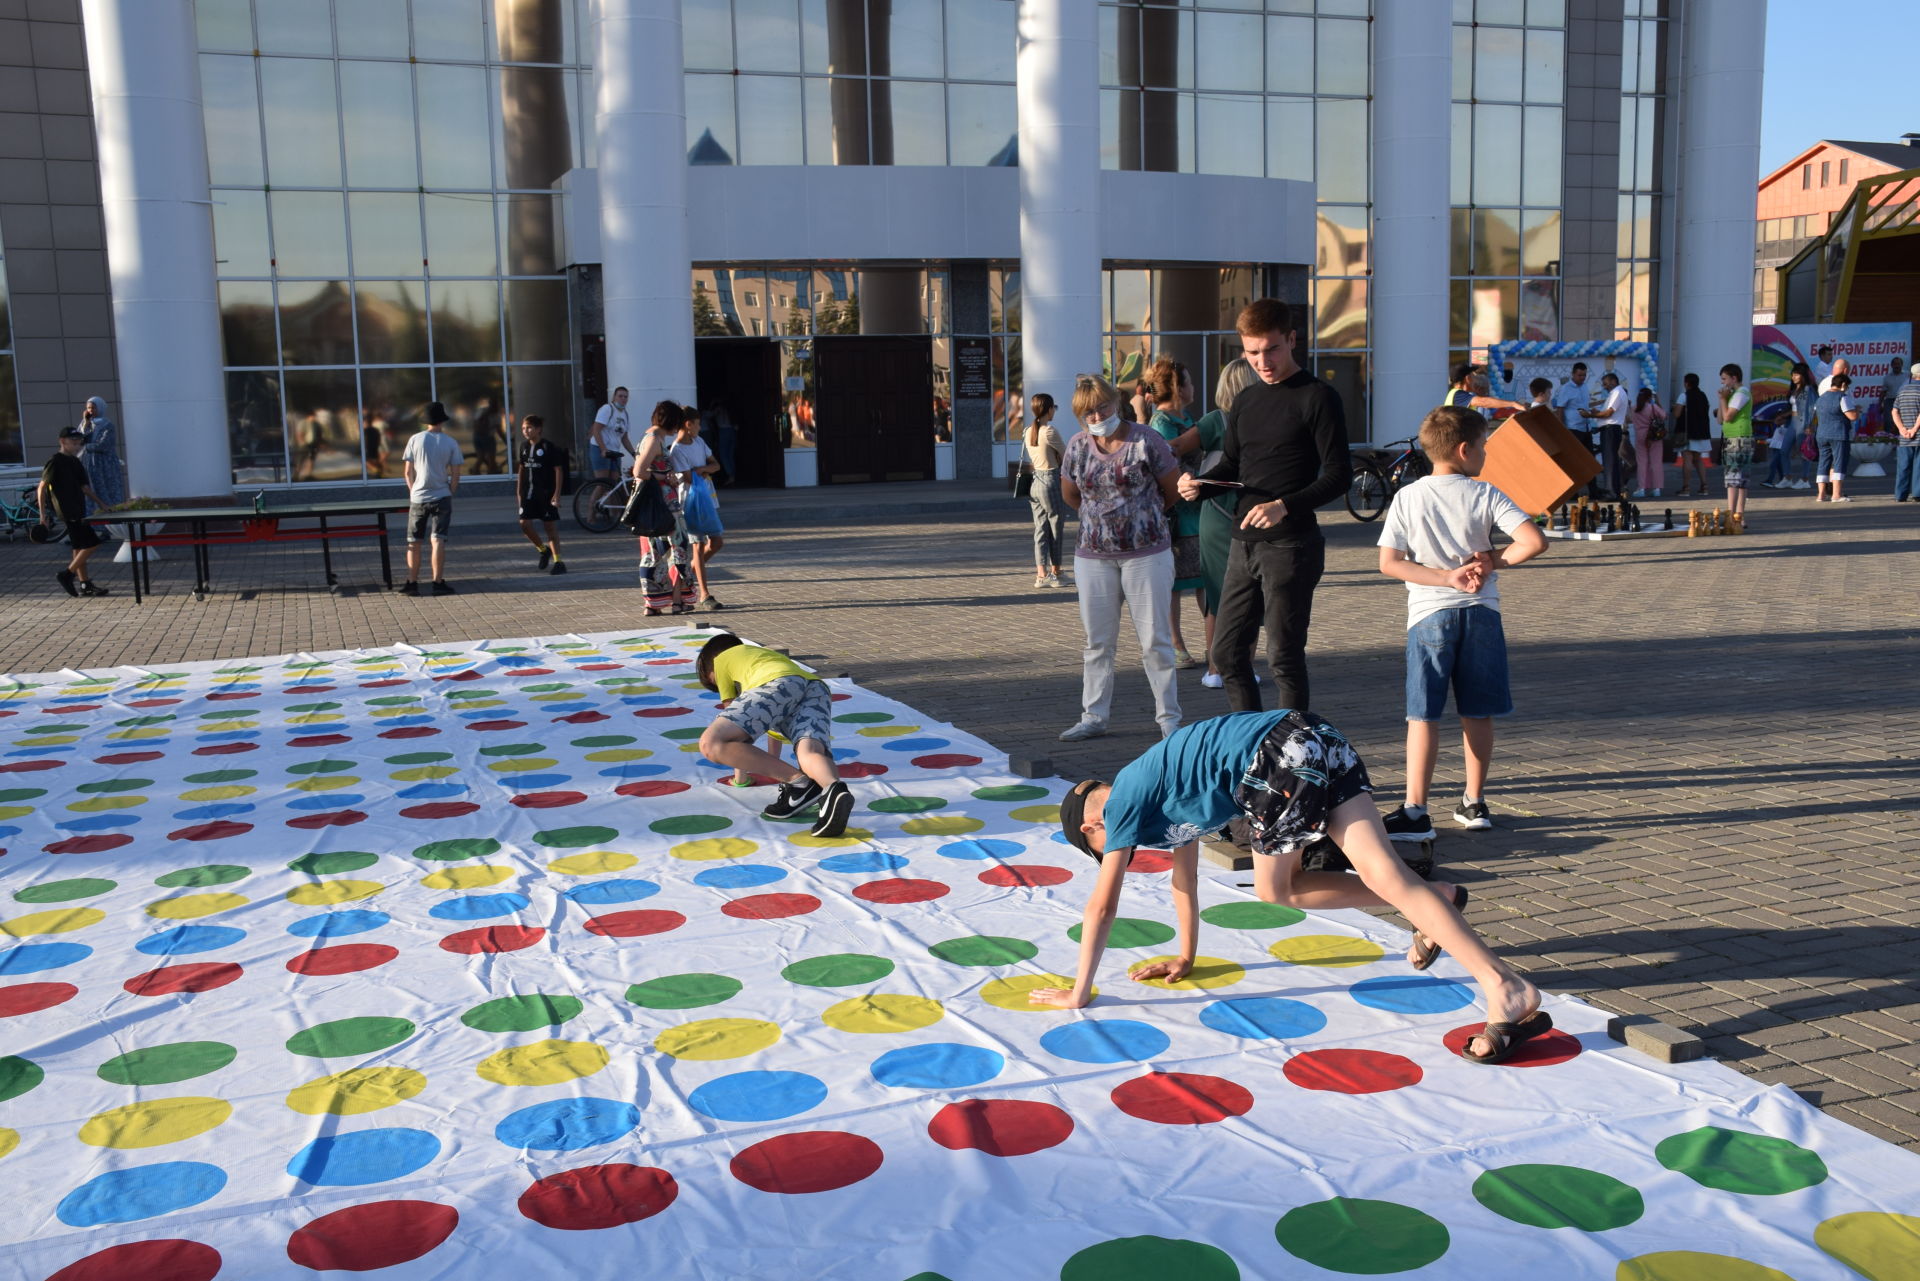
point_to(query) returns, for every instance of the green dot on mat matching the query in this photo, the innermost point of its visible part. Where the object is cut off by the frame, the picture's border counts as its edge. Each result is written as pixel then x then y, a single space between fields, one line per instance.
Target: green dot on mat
pixel 984 949
pixel 545 687
pixel 419 758
pixel 604 740
pixel 320 767
pixel 160 1064
pixel 347 1037
pixel 1252 916
pixel 1131 931
pixel 929 1276
pixel 529 1012
pixel 513 749
pixel 17 1076
pixel 65 891
pixel 393 700
pixel 460 847
pixel 115 785
pixel 907 804
pixel 223 776
pixel 131 720
pixel 689 824
pixel 687 732
pixel 13 794
pixel 1009 792
pixel 1150 1259
pixel 1736 1161
pixel 337 861
pixel 684 991
pixel 1350 1234
pixel 843 969
pixel 566 838
pixel 863 718
pixel 1559 1196
pixel 211 874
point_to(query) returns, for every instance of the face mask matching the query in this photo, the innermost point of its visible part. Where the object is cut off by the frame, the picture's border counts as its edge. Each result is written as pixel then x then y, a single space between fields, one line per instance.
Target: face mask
pixel 1106 426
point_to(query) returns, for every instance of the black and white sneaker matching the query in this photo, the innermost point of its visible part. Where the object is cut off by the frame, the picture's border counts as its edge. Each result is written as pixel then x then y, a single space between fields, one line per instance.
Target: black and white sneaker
pixel 1402 826
pixel 792 798
pixel 1473 816
pixel 835 810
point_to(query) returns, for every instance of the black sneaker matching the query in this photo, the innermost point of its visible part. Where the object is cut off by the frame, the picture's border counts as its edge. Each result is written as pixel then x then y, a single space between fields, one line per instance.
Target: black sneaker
pixel 546 557
pixel 67 579
pixel 792 798
pixel 89 588
pixel 835 810
pixel 559 567
pixel 1402 826
pixel 1473 816
pixel 442 588
pixel 409 588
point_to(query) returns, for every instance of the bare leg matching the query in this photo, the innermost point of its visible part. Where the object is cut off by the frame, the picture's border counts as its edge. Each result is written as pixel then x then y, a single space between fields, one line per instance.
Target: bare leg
pixel 413 562
pixel 1423 751
pixel 1476 736
pixel 725 743
pixel 79 565
pixel 439 559
pixel 816 761
pixel 743 779
pixel 526 527
pixel 553 538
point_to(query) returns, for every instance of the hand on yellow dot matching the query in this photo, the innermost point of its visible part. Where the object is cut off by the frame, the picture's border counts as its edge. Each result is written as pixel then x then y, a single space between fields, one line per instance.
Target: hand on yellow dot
pixel 1171 970
pixel 1057 998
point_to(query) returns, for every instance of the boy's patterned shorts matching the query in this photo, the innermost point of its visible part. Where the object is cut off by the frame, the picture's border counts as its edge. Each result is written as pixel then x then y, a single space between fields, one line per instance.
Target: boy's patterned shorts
pixel 1303 770
pixel 797 707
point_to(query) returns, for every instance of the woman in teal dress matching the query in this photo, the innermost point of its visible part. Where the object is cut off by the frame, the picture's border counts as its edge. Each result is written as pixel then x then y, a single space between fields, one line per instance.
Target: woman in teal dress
pixel 1172 391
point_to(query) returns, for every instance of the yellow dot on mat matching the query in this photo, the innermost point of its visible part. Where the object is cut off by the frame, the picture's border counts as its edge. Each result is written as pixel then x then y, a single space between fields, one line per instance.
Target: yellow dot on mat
pixel 523 765
pixel 15 811
pixel 615 755
pixel 332 783
pixel 1329 950
pixel 1693 1265
pixel 225 792
pixel 717 1038
pixel 321 893
pixel 466 878
pixel 543 1063
pixel 852 836
pixel 941 825
pixel 153 731
pixel 152 1122
pixel 884 1012
pixel 315 718
pixel 1879 1246
pixel 9 1140
pixel 59 922
pixel 889 731
pixel 1208 972
pixel 188 906
pixel 591 863
pixel 714 847
pixel 1011 993
pixel 96 804
pixel 421 773
pixel 356 1090
pixel 1036 813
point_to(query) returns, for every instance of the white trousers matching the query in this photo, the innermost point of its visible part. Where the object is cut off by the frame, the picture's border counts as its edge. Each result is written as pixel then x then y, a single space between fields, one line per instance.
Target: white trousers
pixel 1145 584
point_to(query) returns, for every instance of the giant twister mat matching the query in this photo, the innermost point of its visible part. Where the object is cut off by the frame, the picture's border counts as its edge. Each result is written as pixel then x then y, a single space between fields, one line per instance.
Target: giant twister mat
pixel 463 964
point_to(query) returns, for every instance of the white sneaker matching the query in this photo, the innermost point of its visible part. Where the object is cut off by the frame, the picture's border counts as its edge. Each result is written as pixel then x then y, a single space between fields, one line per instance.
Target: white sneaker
pixel 1842 499
pixel 1653 493
pixel 1640 493
pixel 1212 680
pixel 1084 730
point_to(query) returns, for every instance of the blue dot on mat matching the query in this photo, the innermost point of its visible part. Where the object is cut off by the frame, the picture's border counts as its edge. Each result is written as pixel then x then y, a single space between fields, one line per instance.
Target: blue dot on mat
pixel 334 924
pixel 407 720
pixel 31 958
pixel 426 791
pixel 633 771
pixel 739 878
pixel 190 938
pixel 940 1065
pixel 47 753
pixel 1105 1041
pixel 478 907
pixel 121 1196
pixel 531 782
pixel 1412 994
pixel 226 809
pixel 845 753
pixel 615 891
pixel 98 822
pixel 862 861
pixel 326 801
pixel 562 1125
pixel 517 660
pixel 227 735
pixel 1260 1017
pixel 646 700
pixel 363 1156
pixel 758 1096
pixel 5 832
pixel 983 848
pixel 914 744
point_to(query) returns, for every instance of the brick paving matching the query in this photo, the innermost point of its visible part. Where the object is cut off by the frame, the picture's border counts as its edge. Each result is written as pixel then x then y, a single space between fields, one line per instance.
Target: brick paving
pixel 1705 799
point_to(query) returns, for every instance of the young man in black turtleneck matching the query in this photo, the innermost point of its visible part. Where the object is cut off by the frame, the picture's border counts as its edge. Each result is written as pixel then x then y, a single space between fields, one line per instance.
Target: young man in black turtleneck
pixel 1286 447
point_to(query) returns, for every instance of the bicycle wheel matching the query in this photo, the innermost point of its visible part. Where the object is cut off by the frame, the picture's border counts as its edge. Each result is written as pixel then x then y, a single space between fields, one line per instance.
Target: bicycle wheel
pixel 591 509
pixel 1367 493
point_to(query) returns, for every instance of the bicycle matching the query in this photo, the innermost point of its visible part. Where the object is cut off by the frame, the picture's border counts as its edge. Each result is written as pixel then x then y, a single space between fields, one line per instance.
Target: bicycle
pixel 1374 483
pixel 598 503
pixel 24 513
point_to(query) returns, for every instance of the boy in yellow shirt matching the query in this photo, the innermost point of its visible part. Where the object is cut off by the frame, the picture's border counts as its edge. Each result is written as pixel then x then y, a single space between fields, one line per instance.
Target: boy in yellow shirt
pixel 762 690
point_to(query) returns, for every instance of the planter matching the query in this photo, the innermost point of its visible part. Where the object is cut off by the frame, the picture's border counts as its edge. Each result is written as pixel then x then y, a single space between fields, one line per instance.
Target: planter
pixel 1868 456
pixel 123 554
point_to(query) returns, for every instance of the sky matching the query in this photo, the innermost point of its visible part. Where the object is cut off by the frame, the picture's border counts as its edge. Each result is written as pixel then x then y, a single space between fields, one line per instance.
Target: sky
pixel 1874 99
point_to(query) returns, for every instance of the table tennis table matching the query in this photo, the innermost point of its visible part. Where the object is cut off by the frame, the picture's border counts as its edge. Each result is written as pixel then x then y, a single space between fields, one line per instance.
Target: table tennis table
pixel 208 527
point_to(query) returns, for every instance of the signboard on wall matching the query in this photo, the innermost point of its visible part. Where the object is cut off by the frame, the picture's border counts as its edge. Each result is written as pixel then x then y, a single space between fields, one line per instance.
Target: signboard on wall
pixel 1512 365
pixel 1870 350
pixel 972 369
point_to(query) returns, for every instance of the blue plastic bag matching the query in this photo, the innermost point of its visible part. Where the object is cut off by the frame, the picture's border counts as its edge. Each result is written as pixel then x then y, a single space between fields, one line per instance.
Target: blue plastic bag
pixel 701 509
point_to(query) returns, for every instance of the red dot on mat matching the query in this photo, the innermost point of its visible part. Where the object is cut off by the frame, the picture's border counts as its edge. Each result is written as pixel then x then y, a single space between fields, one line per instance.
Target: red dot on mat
pixel 218 830
pixel 651 787
pixel 598 1196
pixel 128 758
pixel 1352 1071
pixel 861 769
pixel 332 818
pixel 381 1234
pixel 599 667
pixel 1181 1098
pixel 89 844
pixel 1150 861
pixel 629 925
pixel 30 998
pixel 771 907
pixel 493 938
pixel 841 698
pixel 385 684
pixel 319 740
pixel 658 713
pixel 665 662
pixel 144 703
pixel 230 697
pixel 349 958
pixel 74 707
pixel 1014 874
pixel 202 976
pixel 439 809
pixel 167 1260
pixel 530 671
pixel 900 889
pixel 28 767
pixel 488 727
pixel 583 718
pixel 309 689
pixel 1541 1051
pixel 410 731
pixel 547 800
pixel 460 676
pixel 819 1161
pixel 945 760
pixel 225 749
pixel 1000 1127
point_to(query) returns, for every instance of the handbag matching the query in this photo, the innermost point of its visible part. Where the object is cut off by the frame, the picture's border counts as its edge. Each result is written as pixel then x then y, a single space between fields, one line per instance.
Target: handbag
pixel 1023 480
pixel 701 509
pixel 646 512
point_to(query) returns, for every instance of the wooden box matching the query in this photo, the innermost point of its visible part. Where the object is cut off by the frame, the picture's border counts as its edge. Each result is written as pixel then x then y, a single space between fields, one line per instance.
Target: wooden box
pixel 1537 462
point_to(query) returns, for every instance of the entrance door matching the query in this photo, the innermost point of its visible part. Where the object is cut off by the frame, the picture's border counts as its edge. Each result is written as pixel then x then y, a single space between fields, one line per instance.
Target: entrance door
pixel 873 409
pixel 744 373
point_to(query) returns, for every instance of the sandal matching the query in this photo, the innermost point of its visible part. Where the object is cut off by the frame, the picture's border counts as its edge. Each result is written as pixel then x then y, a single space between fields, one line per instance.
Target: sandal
pixel 1426 951
pixel 1508 1037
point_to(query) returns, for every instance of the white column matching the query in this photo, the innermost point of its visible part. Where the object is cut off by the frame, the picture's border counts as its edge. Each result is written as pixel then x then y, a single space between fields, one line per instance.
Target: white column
pixel 1412 112
pixel 144 61
pixel 1719 170
pixel 1058 76
pixel 646 269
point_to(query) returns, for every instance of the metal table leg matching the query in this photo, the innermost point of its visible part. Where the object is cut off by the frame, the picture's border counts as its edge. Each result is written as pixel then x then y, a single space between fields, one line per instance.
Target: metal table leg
pixel 138 529
pixel 386 561
pixel 326 555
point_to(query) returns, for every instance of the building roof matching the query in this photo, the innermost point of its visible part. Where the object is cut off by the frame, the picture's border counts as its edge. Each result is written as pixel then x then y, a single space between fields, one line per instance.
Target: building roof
pixel 1900 155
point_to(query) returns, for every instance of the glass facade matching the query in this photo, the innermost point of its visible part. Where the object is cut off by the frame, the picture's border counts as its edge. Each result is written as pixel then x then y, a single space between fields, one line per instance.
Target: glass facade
pixel 11 443
pixel 1643 49
pixel 1186 313
pixel 384 225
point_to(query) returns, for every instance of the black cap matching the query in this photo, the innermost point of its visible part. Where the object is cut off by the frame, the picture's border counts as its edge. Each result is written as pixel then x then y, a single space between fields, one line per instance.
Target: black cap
pixel 1073 812
pixel 436 412
pixel 72 433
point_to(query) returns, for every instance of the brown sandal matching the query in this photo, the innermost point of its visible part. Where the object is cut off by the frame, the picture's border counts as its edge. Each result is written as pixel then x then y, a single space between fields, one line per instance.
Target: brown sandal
pixel 1508 1037
pixel 1426 951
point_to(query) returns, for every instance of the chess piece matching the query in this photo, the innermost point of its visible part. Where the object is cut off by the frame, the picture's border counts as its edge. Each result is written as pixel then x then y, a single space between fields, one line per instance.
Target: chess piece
pixel 1738 523
pixel 1693 524
pixel 1670 518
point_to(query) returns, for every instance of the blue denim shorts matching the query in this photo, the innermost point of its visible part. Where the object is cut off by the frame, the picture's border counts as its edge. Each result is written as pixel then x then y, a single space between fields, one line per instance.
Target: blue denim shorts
pixel 1463 648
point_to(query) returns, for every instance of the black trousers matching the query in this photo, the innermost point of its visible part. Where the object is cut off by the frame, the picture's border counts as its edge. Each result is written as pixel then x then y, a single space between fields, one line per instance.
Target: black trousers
pixel 1268 583
pixel 1610 465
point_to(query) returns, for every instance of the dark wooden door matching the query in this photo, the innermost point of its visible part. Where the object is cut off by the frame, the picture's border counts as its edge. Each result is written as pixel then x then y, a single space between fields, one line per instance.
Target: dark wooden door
pixel 744 373
pixel 873 408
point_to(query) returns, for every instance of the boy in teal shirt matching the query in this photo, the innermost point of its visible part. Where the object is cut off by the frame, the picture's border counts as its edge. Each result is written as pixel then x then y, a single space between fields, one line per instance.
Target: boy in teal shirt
pixel 763 690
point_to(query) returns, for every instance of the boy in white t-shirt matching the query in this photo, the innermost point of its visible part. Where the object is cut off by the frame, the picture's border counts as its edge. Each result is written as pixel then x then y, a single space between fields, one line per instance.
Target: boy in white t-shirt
pixel 1438 540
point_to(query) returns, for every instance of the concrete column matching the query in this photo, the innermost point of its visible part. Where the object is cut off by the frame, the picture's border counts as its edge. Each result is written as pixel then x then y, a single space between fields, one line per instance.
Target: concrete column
pixel 640 116
pixel 1058 76
pixel 1412 78
pixel 1724 49
pixel 158 210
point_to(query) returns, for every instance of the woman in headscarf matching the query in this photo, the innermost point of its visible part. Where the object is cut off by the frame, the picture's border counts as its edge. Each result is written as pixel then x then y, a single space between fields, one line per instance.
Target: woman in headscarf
pixel 102 454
